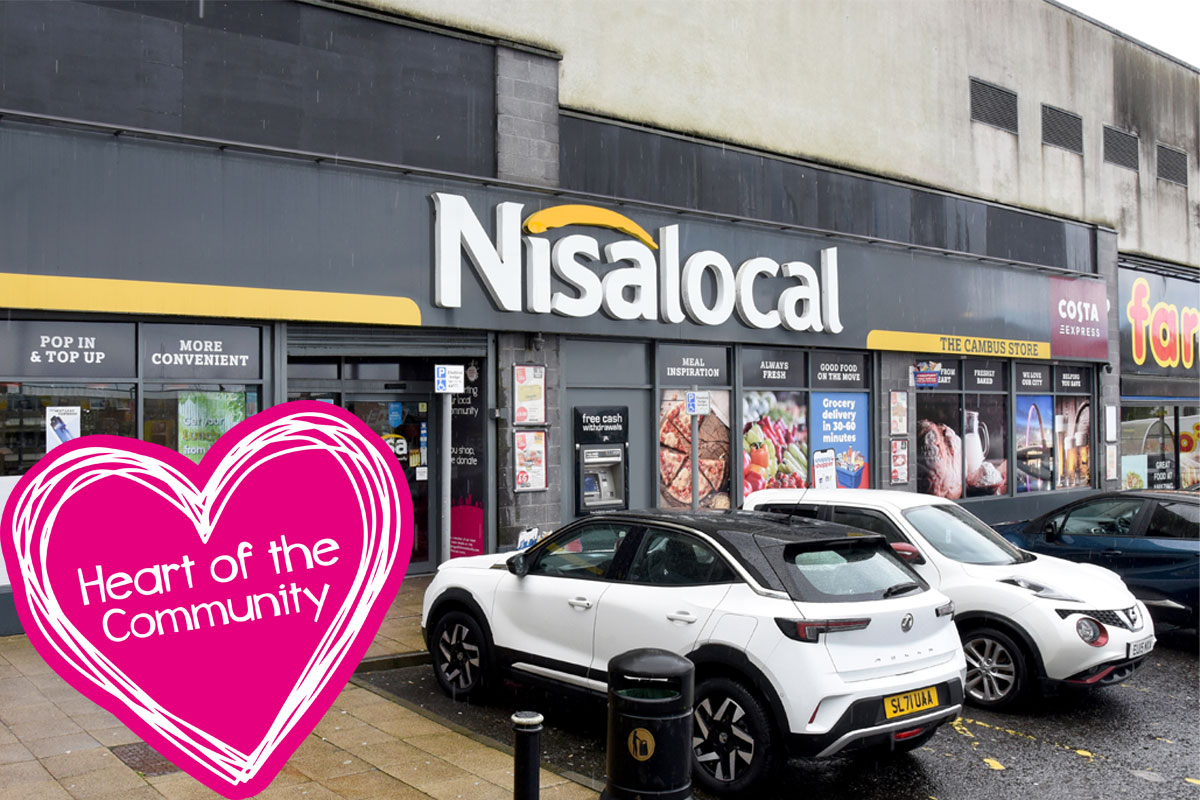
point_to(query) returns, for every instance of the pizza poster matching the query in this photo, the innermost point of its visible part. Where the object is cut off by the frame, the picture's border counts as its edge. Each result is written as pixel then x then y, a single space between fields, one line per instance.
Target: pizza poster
pixel 675 451
pixel 841 423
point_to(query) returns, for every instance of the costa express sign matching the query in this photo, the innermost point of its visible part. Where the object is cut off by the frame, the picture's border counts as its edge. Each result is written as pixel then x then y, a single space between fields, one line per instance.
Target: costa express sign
pixel 1160 324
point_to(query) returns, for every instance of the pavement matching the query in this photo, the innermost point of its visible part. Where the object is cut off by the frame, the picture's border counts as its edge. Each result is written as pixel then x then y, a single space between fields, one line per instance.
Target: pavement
pixel 55 744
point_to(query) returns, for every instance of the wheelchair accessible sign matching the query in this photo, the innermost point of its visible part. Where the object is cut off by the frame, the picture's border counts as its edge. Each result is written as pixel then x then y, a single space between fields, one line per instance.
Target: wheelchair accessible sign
pixel 449 379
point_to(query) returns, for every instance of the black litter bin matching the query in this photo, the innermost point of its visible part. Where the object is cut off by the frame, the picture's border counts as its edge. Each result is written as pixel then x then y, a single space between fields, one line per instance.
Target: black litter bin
pixel 650 696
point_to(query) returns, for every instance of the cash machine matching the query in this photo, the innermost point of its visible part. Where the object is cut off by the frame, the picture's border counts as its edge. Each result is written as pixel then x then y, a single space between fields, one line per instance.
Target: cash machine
pixel 601 458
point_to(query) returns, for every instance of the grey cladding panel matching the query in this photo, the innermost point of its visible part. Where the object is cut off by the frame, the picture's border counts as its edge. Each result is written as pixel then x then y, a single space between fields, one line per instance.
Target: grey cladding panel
pixel 643 165
pixel 287 75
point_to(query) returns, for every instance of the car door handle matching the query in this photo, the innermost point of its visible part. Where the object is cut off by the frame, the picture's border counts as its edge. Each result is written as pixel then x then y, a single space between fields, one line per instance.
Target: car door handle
pixel 580 602
pixel 1111 552
pixel 681 616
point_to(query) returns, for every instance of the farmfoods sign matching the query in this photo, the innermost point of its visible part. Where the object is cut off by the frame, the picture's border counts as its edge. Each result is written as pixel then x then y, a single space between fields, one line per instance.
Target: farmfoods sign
pixel 645 280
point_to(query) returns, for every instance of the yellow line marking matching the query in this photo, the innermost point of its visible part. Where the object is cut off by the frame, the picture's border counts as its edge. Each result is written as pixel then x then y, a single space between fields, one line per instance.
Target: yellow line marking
pixel 195 299
pixel 993 763
pixel 574 214
pixel 1193 780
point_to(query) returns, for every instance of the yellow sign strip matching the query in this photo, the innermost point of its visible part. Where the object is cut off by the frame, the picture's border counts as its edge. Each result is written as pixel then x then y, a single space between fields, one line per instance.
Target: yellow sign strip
pixel 59 293
pixel 973 346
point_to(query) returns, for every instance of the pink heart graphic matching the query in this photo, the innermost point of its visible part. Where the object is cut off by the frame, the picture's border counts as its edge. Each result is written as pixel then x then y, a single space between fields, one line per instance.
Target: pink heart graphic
pixel 219 623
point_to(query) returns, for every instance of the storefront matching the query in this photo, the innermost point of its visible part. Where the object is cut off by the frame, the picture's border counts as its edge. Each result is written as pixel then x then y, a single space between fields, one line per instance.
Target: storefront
pixel 1160 377
pixel 579 321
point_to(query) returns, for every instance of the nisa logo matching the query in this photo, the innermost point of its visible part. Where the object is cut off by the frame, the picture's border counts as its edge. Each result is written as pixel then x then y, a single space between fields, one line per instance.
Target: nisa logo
pixel 517 271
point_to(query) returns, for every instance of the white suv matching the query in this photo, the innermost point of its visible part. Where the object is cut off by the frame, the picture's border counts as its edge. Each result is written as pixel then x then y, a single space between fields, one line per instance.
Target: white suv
pixel 806 638
pixel 1025 619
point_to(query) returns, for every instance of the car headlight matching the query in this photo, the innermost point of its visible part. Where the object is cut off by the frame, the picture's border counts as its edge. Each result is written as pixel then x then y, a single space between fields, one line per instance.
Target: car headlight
pixel 1092 632
pixel 1039 589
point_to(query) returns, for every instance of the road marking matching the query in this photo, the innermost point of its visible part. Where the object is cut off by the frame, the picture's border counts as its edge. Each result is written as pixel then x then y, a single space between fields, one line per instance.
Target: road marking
pixel 1193 780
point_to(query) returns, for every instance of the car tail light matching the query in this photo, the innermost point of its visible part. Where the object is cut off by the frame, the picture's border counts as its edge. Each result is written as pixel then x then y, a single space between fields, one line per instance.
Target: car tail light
pixel 810 630
pixel 908 734
pixel 1091 632
pixel 947 610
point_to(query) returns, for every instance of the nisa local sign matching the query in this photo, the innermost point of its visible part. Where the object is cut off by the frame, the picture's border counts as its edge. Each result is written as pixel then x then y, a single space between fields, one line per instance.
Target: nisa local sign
pixel 524 270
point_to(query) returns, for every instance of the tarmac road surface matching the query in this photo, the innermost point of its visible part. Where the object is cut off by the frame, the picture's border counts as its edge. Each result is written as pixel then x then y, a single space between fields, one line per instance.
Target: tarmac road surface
pixel 1140 739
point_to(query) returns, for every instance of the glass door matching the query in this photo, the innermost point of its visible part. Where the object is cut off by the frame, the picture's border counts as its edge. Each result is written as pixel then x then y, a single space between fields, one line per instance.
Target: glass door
pixel 407 424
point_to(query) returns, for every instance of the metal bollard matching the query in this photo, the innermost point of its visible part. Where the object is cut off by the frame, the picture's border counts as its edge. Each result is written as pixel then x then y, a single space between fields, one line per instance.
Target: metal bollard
pixel 527 754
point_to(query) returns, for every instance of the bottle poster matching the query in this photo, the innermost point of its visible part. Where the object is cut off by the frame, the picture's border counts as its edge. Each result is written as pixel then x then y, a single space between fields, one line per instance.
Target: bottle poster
pixel 62 425
pixel 841 423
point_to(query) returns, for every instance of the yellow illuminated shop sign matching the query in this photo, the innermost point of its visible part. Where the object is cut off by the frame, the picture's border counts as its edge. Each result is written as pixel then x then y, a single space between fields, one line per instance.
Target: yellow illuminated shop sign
pixel 957 345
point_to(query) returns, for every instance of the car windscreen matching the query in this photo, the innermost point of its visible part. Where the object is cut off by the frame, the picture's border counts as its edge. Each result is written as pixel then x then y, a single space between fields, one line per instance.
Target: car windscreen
pixel 959 535
pixel 844 572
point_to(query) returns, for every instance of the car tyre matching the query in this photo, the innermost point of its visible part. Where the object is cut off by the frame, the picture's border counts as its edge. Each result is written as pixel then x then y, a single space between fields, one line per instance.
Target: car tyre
pixel 733 744
pixel 997 671
pixel 462 655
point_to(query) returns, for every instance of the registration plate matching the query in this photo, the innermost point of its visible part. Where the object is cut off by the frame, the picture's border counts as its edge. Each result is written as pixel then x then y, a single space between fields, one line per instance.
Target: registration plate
pixel 1141 647
pixel 898 705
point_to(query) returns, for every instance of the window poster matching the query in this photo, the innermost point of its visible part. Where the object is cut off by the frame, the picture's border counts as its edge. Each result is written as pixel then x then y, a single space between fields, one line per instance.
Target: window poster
pixel 675 451
pixel 898 405
pixel 468 476
pixel 1072 442
pixel 529 394
pixel 1133 472
pixel 203 417
pixel 939 446
pixel 985 444
pixel 899 461
pixel 62 425
pixel 530 453
pixel 774 441
pixel 841 423
pixel 1035 443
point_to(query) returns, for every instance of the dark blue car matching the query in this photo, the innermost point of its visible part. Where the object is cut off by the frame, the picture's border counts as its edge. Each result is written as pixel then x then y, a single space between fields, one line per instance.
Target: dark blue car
pixel 1150 538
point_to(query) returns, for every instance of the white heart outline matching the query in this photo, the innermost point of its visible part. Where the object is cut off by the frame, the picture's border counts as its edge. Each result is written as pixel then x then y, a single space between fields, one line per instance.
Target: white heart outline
pixel 368 471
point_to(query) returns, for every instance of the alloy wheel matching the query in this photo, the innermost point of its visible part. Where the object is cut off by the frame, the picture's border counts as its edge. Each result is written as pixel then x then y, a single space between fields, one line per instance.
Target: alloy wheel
pixel 991 670
pixel 721 739
pixel 459 656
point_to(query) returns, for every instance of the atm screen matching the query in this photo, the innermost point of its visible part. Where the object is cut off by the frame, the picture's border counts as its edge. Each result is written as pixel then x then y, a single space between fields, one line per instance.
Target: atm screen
pixel 591 483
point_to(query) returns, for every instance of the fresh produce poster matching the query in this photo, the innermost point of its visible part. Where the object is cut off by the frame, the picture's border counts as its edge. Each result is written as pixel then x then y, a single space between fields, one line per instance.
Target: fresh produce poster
pixel 774 441
pixel 841 423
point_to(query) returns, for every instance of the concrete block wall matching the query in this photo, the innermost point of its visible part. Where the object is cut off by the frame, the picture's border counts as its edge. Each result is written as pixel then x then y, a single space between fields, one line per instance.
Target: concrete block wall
pixel 519 510
pixel 526 117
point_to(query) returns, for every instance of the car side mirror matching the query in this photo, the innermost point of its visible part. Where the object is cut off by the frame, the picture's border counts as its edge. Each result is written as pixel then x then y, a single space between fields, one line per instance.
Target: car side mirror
pixel 518 564
pixel 1050 531
pixel 908 552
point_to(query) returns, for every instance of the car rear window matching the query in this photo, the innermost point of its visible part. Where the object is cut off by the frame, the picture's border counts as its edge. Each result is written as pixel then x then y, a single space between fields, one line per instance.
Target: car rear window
pixel 844 572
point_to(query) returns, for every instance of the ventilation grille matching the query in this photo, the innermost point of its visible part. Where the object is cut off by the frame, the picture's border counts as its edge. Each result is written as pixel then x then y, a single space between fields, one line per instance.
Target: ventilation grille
pixel 1062 129
pixel 1120 148
pixel 992 105
pixel 1172 165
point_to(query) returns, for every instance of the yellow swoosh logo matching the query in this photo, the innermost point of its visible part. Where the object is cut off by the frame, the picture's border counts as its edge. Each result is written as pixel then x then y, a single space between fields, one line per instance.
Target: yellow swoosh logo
pixel 574 214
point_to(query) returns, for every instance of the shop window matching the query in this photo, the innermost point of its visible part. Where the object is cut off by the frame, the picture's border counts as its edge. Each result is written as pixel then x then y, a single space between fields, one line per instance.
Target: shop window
pixel 1159 447
pixel 38 416
pixel 189 418
pixel 1072 442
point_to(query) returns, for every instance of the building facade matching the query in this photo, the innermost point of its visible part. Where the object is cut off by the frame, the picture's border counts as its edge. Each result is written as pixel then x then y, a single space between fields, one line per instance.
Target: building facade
pixel 678 259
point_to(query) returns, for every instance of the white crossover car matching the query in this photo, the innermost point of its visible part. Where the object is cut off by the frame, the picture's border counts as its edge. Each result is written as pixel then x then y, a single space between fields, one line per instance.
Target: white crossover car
pixel 807 638
pixel 1027 621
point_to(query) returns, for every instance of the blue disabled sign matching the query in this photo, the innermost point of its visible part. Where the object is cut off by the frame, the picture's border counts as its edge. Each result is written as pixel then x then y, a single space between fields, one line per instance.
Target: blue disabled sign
pixel 449 379
pixel 698 403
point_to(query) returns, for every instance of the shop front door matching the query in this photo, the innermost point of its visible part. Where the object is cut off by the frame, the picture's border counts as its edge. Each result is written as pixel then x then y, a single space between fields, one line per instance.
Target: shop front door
pixel 407 424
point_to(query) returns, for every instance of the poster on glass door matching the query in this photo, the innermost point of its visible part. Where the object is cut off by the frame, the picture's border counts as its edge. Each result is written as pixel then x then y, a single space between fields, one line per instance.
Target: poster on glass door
pixel 841 422
pixel 62 425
